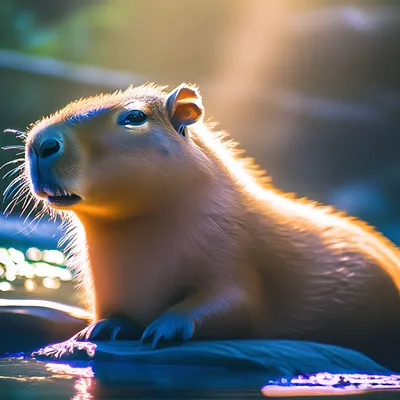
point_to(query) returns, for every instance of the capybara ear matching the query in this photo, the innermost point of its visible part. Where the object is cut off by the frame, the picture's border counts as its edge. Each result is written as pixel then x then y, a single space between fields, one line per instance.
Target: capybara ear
pixel 184 107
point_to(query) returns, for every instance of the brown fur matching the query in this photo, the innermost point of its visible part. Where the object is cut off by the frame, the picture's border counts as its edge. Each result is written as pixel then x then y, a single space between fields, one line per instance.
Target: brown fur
pixel 200 230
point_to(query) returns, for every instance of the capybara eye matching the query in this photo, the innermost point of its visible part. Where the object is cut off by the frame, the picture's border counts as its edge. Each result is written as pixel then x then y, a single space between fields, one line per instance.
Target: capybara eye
pixel 132 118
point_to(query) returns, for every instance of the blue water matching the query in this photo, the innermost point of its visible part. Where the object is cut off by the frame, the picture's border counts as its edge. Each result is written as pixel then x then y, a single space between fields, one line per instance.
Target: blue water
pixel 31 379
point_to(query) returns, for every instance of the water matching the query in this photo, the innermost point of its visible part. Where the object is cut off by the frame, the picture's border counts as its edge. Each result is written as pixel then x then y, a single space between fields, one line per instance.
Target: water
pixel 32 379
pixel 237 369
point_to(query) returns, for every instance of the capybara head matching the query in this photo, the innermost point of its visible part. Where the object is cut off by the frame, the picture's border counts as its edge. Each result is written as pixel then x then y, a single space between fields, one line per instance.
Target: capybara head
pixel 115 155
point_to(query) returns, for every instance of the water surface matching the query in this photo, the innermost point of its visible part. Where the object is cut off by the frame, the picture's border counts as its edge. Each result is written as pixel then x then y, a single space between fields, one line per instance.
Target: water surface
pixel 22 378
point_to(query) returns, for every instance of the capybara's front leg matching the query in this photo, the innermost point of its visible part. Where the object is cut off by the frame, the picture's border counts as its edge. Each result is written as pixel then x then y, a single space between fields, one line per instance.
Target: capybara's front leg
pixel 113 328
pixel 221 313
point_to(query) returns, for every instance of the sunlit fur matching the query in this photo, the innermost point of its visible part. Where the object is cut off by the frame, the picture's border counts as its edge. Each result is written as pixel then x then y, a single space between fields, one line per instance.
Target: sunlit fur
pixel 244 228
pixel 18 191
pixel 253 180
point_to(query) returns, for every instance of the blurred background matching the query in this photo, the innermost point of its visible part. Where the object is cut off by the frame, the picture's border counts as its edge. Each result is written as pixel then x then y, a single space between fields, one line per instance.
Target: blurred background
pixel 311 90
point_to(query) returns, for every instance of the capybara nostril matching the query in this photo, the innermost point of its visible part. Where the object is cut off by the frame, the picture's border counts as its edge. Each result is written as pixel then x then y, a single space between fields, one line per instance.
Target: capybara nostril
pixel 49 147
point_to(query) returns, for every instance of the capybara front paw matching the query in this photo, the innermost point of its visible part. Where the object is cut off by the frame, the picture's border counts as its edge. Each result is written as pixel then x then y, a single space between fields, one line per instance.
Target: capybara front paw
pixel 114 328
pixel 168 328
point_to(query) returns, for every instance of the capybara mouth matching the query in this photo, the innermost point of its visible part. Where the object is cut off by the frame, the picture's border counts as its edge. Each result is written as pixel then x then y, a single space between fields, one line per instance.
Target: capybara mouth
pixel 64 200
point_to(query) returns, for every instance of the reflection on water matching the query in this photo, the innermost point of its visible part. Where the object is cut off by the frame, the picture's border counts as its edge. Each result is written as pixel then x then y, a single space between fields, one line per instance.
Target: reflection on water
pixel 66 369
pixel 324 384
pixel 22 378
pixel 27 378
pixel 84 384
pixel 83 388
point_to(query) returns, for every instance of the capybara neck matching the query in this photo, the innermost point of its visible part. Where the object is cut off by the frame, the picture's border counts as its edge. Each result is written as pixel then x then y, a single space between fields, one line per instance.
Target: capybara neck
pixel 140 255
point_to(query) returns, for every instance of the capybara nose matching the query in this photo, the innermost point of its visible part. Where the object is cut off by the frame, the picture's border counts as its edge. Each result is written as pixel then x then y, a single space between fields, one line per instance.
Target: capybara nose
pixel 49 147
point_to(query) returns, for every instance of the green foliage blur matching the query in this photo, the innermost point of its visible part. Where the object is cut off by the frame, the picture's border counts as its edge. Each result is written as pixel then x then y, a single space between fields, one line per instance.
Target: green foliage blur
pixel 120 34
